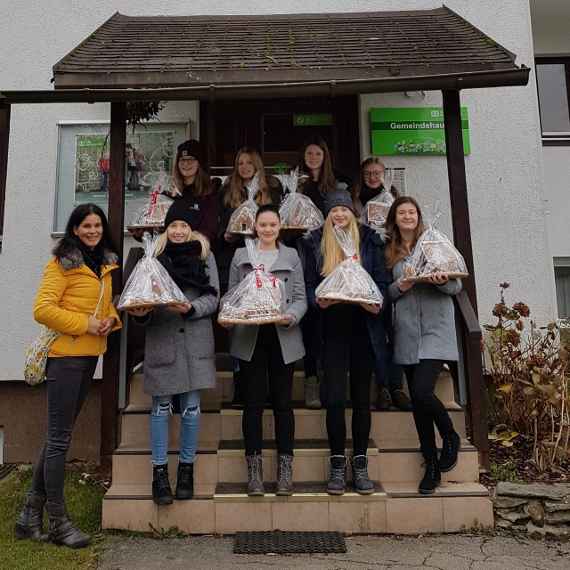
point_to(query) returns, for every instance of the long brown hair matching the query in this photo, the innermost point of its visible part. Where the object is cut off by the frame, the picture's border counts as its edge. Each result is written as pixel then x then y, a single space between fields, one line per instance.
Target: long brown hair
pixel 395 249
pixel 202 183
pixel 327 180
pixel 235 193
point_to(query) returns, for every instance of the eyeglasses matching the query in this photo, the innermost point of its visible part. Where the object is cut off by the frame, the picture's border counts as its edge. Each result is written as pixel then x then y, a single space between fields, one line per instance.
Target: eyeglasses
pixel 373 173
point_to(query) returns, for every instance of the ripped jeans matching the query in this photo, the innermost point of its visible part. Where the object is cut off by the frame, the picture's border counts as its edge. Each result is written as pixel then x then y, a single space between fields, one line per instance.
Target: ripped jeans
pixel 189 427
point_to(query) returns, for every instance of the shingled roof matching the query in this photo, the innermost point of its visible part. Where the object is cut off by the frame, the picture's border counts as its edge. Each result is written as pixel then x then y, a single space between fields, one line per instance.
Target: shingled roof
pixel 217 51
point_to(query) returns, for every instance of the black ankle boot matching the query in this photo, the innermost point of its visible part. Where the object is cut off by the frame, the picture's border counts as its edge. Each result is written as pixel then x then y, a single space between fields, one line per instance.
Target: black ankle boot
pixel 360 479
pixel 337 475
pixel 161 491
pixel 185 481
pixel 449 452
pixel 30 520
pixel 61 529
pixel 432 477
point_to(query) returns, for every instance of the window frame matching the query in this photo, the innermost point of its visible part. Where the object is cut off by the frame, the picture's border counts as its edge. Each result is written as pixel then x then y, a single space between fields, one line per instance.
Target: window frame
pixel 552 138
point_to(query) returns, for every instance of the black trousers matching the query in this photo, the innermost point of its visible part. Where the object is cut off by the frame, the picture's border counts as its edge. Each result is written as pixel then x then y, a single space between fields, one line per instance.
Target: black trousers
pixel 428 409
pixel 310 328
pixel 267 369
pixel 347 349
pixel 68 381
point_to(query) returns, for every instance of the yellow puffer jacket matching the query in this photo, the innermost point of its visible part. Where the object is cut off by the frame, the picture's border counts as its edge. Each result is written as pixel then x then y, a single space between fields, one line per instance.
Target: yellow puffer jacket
pixel 67 296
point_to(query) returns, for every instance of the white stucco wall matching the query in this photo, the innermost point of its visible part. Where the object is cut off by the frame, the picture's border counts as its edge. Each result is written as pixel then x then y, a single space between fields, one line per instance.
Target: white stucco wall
pixel 504 172
pixel 551 35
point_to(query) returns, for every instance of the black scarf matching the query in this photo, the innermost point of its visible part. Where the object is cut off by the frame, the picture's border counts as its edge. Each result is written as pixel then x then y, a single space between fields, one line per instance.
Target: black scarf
pixel 93 257
pixel 183 263
pixel 367 193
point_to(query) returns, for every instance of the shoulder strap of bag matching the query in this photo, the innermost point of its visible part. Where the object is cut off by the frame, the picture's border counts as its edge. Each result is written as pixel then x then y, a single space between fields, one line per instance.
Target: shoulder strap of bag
pixel 101 291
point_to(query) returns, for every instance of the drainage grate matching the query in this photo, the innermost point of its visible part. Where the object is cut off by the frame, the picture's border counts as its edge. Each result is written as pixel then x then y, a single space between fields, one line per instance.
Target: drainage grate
pixel 279 542
pixel 6 469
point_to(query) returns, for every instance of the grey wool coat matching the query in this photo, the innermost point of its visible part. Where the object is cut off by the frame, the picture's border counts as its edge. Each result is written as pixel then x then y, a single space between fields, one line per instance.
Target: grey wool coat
pixel 423 320
pixel 179 349
pixel 287 267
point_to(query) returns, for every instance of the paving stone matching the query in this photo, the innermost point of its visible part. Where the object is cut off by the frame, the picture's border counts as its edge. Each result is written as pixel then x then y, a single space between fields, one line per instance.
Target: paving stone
pixel 557 518
pixel 551 507
pixel 508 502
pixel 536 512
pixel 552 492
pixel 548 531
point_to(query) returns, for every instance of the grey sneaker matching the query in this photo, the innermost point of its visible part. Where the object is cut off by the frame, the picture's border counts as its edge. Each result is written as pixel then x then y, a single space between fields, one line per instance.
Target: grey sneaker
pixel 312 399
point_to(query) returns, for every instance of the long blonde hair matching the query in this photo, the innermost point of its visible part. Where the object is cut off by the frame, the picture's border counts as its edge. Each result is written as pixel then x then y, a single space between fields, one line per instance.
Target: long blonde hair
pixel 330 248
pixel 234 191
pixel 192 236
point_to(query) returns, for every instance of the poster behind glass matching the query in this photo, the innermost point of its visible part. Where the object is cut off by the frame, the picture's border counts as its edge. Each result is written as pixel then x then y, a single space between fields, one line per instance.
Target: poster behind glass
pixel 84 165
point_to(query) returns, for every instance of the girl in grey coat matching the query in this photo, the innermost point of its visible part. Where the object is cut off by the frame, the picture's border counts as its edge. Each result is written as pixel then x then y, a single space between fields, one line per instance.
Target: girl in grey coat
pixel 267 353
pixel 179 350
pixel 424 338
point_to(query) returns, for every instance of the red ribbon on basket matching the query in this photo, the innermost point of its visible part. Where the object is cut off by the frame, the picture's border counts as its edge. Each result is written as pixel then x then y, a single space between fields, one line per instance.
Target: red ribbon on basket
pixel 258 270
pixel 153 201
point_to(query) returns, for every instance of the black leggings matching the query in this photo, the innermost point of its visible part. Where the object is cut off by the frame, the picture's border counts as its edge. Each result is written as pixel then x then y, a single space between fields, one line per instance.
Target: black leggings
pixel 428 409
pixel 310 328
pixel 267 367
pixel 347 349
pixel 68 381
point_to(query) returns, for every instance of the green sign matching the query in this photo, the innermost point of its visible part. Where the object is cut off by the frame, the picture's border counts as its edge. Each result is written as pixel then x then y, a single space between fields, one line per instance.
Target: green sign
pixel 412 130
pixel 312 119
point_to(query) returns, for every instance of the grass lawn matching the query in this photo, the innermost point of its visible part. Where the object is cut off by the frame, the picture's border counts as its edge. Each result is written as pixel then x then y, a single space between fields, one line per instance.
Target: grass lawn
pixel 84 506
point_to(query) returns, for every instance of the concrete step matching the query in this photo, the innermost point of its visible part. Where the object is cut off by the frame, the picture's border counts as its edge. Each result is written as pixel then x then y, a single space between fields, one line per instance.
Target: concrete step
pixel 135 428
pixel 311 461
pixel 223 392
pixel 389 429
pixel 392 509
pixel 132 465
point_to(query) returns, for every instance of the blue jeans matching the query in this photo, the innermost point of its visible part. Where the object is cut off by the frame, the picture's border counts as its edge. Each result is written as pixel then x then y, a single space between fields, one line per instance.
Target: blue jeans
pixel 189 426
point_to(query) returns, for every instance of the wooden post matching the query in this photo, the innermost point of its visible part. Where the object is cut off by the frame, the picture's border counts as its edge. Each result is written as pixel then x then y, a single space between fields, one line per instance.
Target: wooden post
pixel 116 213
pixel 4 140
pixel 462 236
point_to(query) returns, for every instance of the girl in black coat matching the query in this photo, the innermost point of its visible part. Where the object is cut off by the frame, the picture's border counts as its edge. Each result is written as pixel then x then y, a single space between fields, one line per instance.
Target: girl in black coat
pixel 388 379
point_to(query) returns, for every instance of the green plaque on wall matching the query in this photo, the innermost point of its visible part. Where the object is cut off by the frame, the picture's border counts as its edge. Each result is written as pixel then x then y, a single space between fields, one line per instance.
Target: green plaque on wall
pixel 412 130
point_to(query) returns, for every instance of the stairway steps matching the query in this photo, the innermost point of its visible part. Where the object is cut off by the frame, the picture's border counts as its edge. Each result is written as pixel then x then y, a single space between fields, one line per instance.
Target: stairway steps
pixel 223 392
pixel 398 509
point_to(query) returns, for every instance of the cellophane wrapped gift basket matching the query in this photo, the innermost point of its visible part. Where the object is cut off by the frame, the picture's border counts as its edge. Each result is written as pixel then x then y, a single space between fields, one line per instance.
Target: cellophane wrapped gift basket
pixel 152 214
pixel 375 212
pixel 349 282
pixel 297 211
pixel 242 219
pixel 257 299
pixel 434 253
pixel 150 285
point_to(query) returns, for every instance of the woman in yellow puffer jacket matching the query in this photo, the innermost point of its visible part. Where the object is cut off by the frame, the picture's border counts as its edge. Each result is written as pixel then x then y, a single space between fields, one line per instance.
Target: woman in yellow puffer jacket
pixel 75 300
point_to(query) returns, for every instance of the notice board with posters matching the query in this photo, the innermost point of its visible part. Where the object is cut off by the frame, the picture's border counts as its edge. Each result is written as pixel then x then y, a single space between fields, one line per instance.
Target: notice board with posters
pixel 412 131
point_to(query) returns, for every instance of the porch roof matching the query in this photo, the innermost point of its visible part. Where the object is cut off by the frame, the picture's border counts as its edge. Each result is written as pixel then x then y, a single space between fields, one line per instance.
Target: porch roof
pixel 200 57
